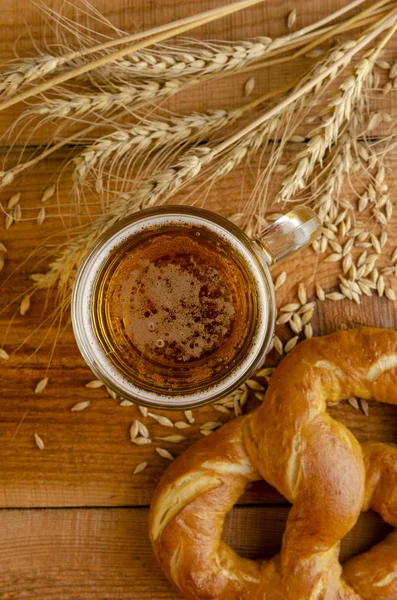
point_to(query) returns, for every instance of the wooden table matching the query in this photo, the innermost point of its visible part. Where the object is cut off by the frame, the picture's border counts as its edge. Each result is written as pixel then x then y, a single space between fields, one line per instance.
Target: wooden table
pixel 73 517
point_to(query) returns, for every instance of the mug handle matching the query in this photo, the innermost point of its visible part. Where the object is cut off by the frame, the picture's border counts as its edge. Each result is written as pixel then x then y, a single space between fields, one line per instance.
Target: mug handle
pixel 289 233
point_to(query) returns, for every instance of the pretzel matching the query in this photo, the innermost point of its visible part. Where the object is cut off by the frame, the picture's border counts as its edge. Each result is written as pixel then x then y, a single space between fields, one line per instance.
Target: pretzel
pixel 314 461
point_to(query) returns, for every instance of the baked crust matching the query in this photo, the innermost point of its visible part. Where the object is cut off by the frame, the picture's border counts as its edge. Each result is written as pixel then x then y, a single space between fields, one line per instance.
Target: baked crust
pixel 310 458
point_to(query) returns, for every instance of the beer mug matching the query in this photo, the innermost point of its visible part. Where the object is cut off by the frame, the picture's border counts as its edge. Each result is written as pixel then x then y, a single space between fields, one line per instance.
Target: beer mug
pixel 174 307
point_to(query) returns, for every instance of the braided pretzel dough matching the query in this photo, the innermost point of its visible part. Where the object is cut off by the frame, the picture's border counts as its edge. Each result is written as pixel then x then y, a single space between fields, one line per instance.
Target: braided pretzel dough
pixel 313 460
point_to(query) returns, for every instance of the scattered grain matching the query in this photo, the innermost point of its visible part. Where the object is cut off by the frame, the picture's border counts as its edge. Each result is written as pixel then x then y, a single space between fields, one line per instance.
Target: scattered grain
pixel 352 400
pixel 139 468
pixel 80 406
pixel 281 279
pixel 3 354
pixel 126 403
pixel 181 425
pixel 39 441
pixel 143 410
pixel 320 292
pixel 364 406
pixel 94 384
pixel 334 296
pixel 164 453
pixel 172 439
pixel 254 385
pixel 41 385
pixel 189 416
pixel 141 441
pixel 25 304
pixel 291 344
pixel 161 420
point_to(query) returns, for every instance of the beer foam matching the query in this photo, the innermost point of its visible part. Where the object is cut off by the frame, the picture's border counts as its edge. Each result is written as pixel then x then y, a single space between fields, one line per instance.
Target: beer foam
pixel 92 350
pixel 179 310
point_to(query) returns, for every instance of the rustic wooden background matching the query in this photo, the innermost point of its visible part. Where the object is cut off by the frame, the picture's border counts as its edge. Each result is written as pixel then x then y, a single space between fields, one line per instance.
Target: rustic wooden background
pixel 73 517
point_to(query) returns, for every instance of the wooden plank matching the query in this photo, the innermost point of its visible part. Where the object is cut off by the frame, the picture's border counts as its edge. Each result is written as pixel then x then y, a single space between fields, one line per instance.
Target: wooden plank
pixel 98 553
pixel 88 460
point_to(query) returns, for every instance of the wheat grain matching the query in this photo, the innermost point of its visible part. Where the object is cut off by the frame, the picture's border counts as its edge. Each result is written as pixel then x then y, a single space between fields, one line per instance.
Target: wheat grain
pixel 143 410
pixel 9 220
pixel 3 248
pixel 254 385
pixel 143 430
pixel 334 296
pixel 220 408
pixel 302 294
pixel 39 442
pixel 352 400
pixel 164 453
pixel 139 468
pixel 267 372
pixel 141 441
pixel 126 403
pixel 291 344
pixel 291 307
pixel 41 385
pixel 320 292
pixel 181 425
pixel 111 393
pixel 364 406
pixel 173 439
pixel 134 429
pixel 284 318
pixel 94 384
pixel 189 416
pixel 4 355
pixel 24 306
pixel 80 406
pixel 296 324
pixel 21 73
pixel 278 345
pixel 390 294
pixel 161 420
pixel 308 331
pixel 282 278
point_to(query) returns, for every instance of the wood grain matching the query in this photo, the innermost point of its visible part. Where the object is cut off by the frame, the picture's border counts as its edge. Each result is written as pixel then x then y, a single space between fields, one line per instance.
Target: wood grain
pixel 88 459
pixel 103 553
pixel 98 553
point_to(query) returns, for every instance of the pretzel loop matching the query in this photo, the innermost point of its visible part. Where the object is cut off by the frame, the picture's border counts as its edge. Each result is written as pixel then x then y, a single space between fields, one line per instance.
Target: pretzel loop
pixel 313 460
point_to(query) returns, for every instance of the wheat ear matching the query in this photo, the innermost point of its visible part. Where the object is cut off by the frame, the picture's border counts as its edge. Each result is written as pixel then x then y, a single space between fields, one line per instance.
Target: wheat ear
pixel 128 49
pixel 23 72
pixel 325 136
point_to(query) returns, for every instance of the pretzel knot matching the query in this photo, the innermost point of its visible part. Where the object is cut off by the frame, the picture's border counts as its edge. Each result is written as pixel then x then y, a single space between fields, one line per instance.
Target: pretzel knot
pixel 310 458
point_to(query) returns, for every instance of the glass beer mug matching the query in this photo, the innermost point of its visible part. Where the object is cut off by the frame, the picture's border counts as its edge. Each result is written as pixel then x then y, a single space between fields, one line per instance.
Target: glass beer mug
pixel 174 307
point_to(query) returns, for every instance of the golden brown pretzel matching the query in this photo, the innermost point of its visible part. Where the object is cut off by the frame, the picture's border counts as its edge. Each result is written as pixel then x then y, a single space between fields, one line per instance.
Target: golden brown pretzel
pixel 313 460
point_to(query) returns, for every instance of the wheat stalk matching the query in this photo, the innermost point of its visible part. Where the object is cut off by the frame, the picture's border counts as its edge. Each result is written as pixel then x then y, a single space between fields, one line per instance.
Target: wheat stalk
pixel 183 26
pixel 169 62
pixel 134 142
pixel 189 166
pixel 339 111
